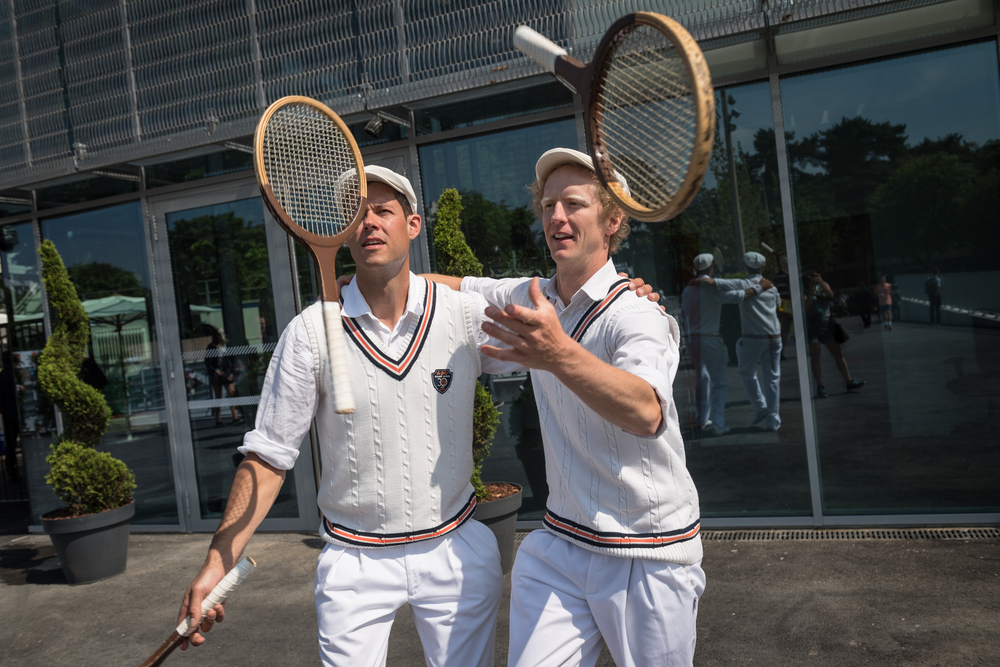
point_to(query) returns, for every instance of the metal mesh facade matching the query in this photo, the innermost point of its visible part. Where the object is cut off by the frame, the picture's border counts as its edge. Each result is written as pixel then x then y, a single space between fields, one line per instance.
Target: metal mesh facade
pixel 90 84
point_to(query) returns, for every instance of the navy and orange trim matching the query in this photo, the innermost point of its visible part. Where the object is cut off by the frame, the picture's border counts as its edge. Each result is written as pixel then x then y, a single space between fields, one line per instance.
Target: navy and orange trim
pixel 595 538
pixel 359 539
pixel 397 368
pixel 598 308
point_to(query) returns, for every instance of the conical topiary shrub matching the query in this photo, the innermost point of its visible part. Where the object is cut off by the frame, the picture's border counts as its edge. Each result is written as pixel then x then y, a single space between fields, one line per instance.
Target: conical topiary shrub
pixel 85 480
pixel 455 258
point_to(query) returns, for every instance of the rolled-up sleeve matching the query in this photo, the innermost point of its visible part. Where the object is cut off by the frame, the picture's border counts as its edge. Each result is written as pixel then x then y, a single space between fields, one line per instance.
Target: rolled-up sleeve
pixel 647 345
pixel 288 400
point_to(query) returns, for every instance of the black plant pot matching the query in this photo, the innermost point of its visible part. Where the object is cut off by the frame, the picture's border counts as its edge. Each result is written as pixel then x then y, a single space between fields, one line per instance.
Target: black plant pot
pixel 501 517
pixel 92 547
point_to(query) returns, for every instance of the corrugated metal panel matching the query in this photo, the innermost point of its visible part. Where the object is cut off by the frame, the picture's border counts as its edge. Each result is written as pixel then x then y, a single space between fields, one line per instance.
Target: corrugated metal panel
pixel 110 81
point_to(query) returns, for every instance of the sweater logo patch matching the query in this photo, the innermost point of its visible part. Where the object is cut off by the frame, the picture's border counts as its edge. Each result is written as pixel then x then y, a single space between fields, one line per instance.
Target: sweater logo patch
pixel 442 379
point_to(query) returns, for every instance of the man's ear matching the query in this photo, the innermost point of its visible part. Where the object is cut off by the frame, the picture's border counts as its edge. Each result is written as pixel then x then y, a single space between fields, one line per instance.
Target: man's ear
pixel 614 224
pixel 413 223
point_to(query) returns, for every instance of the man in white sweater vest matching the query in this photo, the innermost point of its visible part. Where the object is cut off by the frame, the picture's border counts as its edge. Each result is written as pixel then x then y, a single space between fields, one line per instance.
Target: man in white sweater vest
pixel 395 492
pixel 620 560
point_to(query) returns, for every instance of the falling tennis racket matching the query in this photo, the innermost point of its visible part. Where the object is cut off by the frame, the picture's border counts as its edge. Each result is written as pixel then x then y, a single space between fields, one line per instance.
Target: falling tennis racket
pixel 217 596
pixel 312 179
pixel 649 110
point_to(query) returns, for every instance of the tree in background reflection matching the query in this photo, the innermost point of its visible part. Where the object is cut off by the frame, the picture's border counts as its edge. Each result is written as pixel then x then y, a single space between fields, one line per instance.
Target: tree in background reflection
pixel 503 239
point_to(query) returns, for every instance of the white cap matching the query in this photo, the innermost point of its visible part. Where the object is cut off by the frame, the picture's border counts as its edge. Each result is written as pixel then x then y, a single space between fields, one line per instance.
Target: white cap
pixel 754 260
pixel 703 261
pixel 395 181
pixel 557 157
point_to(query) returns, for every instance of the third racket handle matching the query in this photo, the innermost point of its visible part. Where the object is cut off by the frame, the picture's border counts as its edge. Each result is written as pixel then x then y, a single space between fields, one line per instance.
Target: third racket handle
pixel 343 397
pixel 220 592
pixel 541 49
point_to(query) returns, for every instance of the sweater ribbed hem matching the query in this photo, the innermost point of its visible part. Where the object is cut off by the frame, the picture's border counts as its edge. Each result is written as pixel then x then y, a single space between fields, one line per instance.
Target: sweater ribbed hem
pixel 681 546
pixel 338 534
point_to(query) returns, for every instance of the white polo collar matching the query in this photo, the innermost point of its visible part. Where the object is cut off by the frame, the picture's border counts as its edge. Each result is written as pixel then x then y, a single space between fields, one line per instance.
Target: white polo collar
pixel 355 305
pixel 596 288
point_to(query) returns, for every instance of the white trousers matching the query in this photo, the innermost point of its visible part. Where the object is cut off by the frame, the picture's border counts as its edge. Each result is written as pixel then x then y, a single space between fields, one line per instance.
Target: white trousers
pixel 709 358
pixel 452 583
pixel 764 395
pixel 566 602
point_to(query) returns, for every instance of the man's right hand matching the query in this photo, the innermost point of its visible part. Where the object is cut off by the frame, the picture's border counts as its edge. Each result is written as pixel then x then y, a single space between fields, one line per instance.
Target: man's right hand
pixel 209 577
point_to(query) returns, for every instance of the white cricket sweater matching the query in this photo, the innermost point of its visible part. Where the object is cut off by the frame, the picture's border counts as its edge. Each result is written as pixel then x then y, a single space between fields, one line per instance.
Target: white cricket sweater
pixel 611 491
pixel 397 469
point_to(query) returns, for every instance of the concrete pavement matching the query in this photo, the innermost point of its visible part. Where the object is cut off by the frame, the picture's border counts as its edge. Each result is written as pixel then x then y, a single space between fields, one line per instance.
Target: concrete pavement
pixel 828 603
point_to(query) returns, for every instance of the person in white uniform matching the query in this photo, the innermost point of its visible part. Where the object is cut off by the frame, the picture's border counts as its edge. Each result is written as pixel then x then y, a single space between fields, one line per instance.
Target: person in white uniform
pixel 619 561
pixel 760 343
pixel 395 493
pixel 701 307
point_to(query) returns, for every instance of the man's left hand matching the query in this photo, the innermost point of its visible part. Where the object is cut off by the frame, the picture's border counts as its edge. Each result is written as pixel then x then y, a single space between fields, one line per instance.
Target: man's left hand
pixel 536 337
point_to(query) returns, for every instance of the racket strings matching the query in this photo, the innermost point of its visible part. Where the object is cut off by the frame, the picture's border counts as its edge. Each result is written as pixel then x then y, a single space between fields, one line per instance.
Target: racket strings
pixel 648 116
pixel 311 169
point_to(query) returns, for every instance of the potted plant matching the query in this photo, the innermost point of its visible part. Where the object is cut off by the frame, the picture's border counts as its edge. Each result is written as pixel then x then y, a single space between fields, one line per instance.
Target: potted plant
pixel 90 533
pixel 498 501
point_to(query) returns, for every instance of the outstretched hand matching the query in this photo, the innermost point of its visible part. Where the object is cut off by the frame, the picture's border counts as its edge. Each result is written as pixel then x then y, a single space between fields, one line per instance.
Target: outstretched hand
pixel 535 336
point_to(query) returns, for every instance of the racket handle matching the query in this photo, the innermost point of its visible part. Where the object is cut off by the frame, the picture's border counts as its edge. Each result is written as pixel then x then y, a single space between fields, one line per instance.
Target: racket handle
pixel 541 49
pixel 343 397
pixel 219 593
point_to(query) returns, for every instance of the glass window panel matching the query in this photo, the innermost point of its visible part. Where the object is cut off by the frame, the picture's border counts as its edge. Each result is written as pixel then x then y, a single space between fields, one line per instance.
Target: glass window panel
pixel 225 308
pixel 33 423
pixel 200 166
pixel 104 252
pixel 492 172
pixel 737 58
pixel 895 174
pixel 938 19
pixel 741 466
pixel 479 110
pixel 85 189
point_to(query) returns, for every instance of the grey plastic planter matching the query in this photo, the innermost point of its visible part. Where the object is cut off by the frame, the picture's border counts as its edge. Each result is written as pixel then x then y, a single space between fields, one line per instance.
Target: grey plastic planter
pixel 92 547
pixel 501 517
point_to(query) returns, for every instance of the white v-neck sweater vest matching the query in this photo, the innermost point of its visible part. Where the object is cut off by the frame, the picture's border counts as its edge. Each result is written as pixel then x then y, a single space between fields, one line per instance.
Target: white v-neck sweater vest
pixel 397 469
pixel 611 491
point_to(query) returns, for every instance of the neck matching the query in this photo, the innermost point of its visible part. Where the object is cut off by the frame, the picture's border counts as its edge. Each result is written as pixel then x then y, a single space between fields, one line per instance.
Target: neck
pixel 385 292
pixel 569 279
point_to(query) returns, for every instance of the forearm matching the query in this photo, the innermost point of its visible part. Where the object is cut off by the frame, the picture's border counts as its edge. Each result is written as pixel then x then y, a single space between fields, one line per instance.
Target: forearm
pixel 254 491
pixel 621 398
pixel 453 282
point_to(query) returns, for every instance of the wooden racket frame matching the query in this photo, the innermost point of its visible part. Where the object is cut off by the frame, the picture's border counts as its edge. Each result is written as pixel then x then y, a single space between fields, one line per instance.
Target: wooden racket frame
pixel 323 249
pixel 589 79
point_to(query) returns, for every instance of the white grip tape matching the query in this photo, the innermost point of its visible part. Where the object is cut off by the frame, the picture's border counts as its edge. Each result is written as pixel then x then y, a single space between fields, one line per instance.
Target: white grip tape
pixel 219 593
pixel 343 397
pixel 541 49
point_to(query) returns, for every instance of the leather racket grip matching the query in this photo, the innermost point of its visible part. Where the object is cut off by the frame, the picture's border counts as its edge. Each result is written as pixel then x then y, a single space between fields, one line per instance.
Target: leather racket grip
pixel 219 593
pixel 538 47
pixel 343 397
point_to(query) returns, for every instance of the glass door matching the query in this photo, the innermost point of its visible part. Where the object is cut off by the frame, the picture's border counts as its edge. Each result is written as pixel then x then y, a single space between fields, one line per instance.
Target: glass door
pixel 224 268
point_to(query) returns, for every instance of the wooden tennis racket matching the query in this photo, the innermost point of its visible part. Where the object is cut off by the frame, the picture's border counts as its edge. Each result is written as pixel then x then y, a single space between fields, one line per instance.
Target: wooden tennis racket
pixel 649 110
pixel 312 179
pixel 218 595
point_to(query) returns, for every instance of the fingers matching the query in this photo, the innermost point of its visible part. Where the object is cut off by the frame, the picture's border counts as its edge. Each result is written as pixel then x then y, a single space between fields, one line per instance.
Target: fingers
pixel 535 292
pixel 502 335
pixel 501 354
pixel 344 281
